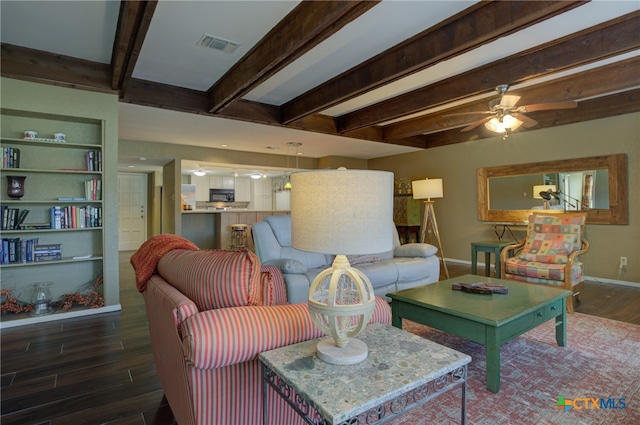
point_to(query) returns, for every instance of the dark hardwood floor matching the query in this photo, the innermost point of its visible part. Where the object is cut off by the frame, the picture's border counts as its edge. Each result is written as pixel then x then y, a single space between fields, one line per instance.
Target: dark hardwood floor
pixel 99 369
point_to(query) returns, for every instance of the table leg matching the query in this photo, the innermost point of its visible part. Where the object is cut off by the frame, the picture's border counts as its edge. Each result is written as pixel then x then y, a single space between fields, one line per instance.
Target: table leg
pixel 396 320
pixel 561 325
pixel 463 413
pixel 493 360
pixel 265 400
pixel 474 261
pixel 487 263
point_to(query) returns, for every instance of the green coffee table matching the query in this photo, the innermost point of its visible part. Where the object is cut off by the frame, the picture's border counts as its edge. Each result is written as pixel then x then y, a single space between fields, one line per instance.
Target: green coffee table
pixel 490 320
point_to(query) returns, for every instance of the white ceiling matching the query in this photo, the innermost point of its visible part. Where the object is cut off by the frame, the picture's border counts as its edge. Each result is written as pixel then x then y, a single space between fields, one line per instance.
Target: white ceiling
pixel 169 55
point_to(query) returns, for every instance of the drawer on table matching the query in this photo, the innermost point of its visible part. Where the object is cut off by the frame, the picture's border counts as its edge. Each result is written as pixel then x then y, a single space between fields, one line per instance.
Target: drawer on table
pixel 547 312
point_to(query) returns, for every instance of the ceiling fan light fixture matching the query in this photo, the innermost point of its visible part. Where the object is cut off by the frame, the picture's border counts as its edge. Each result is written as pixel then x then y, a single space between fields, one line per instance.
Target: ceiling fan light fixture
pixel 508 122
pixel 200 172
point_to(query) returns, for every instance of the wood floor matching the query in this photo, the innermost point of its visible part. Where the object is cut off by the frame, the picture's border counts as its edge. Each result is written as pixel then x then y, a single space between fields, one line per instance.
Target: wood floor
pixel 99 370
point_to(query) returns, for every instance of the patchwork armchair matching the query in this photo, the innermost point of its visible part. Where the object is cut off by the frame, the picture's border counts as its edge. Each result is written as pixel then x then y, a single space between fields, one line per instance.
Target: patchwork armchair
pixel 549 254
pixel 210 314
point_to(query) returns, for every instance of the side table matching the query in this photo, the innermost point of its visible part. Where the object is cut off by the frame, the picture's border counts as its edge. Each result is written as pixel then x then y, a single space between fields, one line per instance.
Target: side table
pixel 402 371
pixel 488 247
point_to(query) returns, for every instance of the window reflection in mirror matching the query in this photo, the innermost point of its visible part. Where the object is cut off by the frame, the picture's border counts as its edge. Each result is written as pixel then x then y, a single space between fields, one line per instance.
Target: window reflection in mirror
pixel 577 190
pixel 597 185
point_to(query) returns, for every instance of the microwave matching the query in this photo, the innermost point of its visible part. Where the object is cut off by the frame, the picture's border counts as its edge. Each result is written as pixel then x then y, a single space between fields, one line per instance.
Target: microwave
pixel 222 195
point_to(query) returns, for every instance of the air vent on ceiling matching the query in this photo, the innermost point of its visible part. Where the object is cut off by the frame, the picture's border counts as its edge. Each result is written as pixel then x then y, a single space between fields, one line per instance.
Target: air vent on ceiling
pixel 217 43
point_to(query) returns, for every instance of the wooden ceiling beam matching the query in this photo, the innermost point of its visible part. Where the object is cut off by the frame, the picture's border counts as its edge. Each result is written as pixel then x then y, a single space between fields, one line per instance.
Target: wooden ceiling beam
pixel 609 78
pixel 603 107
pixel 133 23
pixel 602 41
pixel 479 24
pixel 50 68
pixel 164 96
pixel 301 30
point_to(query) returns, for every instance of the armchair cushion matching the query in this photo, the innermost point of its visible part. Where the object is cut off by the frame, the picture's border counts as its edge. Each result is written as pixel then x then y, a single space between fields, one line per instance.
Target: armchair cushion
pixel 214 279
pixel 551 239
pixel 536 272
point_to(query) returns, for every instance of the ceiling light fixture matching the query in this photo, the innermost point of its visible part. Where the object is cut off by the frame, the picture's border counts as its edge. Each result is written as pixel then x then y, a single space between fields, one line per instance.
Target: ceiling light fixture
pixel 256 176
pixel 287 184
pixel 503 124
pixel 200 172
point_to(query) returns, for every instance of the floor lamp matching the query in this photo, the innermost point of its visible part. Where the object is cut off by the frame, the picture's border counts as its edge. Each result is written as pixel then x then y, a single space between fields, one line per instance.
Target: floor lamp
pixel 427 189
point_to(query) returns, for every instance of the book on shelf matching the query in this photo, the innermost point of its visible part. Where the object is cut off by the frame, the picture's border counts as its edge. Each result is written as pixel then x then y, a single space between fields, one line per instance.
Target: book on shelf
pixel 34 226
pixel 94 160
pixel 93 189
pixel 16 250
pixel 75 217
pixel 48 248
pixel 12 218
pixel 10 157
pixel 47 257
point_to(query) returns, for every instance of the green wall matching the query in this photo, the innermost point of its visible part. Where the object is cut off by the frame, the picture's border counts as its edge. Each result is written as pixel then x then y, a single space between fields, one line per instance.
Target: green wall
pixel 457 166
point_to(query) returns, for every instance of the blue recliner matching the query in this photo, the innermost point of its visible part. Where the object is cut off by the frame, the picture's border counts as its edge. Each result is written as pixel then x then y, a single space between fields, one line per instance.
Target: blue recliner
pixel 405 266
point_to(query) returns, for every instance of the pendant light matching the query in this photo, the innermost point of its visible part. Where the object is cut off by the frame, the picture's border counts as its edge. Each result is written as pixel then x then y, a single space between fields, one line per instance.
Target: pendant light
pixel 287 184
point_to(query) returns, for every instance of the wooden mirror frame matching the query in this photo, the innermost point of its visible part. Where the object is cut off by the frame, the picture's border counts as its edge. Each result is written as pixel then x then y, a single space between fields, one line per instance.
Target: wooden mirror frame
pixel 618 212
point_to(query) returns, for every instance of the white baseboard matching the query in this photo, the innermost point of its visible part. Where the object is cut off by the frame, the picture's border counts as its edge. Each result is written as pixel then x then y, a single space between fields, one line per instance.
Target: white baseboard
pixel 591 278
pixel 59 316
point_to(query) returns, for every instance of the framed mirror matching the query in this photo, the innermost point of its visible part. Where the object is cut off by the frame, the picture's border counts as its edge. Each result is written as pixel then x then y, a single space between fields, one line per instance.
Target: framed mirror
pixel 509 194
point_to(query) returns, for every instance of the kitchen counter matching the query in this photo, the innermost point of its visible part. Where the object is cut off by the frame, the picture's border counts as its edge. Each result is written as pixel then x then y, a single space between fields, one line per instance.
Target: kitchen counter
pixel 211 228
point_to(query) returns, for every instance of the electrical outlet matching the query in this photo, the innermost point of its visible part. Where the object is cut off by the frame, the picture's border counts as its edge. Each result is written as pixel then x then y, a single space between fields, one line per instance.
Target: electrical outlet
pixel 623 261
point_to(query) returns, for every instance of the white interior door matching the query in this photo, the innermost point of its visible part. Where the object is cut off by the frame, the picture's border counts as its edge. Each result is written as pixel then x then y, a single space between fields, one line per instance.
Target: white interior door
pixel 132 217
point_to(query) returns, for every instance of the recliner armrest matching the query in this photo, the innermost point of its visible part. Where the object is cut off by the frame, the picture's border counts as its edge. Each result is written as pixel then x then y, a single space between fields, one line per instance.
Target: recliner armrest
pixel 415 250
pixel 287 265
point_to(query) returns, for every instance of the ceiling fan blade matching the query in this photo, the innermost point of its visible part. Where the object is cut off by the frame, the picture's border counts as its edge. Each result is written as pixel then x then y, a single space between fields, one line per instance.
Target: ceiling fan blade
pixel 526 121
pixel 567 104
pixel 467 113
pixel 477 123
pixel 509 100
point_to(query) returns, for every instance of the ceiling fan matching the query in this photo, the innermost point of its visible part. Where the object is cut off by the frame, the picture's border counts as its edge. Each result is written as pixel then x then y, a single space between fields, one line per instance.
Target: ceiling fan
pixel 504 116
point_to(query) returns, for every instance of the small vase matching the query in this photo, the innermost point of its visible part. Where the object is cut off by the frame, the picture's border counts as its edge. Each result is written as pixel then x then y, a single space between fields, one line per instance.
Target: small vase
pixel 15 186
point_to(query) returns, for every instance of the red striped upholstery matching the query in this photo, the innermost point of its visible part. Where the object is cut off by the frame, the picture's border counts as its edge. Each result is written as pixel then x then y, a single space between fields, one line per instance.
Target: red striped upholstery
pixel 274 290
pixel 211 338
pixel 207 359
pixel 213 279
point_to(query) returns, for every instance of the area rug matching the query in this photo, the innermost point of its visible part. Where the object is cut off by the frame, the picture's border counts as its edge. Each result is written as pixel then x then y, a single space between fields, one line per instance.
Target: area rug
pixel 595 379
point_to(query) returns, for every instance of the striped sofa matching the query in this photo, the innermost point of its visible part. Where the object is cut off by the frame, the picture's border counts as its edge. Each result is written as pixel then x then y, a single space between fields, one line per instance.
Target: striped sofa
pixel 210 314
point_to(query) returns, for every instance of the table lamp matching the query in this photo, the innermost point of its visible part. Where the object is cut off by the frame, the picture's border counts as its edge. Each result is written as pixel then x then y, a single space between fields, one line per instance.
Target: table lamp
pixel 342 212
pixel 427 189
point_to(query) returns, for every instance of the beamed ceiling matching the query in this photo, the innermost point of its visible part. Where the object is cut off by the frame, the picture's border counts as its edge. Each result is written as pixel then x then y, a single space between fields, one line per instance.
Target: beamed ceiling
pixel 351 71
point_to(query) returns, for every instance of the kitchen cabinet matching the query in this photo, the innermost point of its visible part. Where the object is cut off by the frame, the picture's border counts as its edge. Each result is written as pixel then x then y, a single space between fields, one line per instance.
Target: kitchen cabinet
pixel 202 187
pixel 221 182
pixel 243 189
pixel 262 196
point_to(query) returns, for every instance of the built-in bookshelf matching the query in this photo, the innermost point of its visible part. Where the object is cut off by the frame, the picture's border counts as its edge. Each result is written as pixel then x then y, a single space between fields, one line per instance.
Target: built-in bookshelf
pixel 54 231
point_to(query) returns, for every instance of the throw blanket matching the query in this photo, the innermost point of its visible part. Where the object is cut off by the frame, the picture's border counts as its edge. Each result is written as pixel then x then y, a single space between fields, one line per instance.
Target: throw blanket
pixel 145 260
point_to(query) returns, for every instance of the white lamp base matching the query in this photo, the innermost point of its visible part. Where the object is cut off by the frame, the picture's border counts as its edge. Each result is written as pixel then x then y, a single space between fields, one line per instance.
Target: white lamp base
pixel 354 352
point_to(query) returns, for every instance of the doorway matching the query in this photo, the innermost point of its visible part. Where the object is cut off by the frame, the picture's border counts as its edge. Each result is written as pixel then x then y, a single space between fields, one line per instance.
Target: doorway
pixel 132 211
